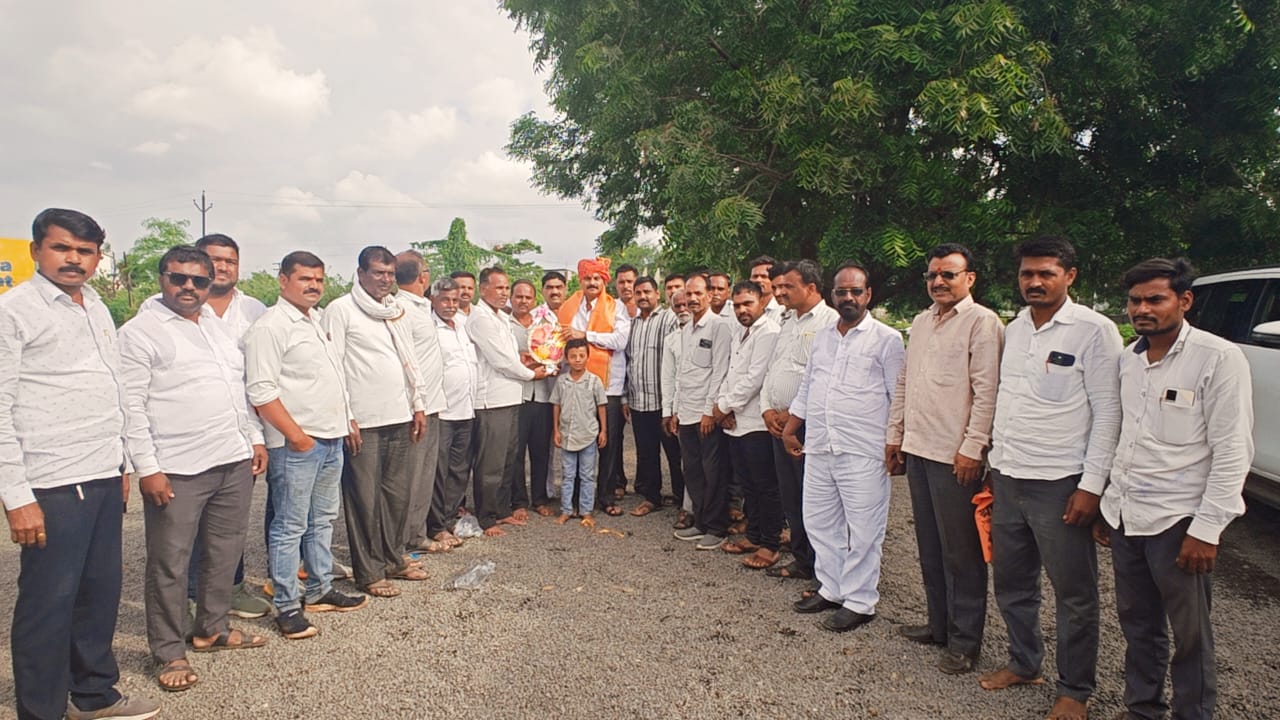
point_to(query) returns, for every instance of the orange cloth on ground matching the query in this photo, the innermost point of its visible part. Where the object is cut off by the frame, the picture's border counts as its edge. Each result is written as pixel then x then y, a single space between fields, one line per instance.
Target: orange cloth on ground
pixel 600 320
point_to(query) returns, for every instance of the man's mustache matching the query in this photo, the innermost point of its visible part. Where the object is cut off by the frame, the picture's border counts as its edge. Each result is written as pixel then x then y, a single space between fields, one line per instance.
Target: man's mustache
pixel 72 268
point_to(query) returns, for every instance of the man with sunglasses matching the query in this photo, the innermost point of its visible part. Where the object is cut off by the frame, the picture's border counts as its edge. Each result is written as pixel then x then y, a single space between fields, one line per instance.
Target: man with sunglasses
pixel 195 447
pixel 939 430
pixel 61 483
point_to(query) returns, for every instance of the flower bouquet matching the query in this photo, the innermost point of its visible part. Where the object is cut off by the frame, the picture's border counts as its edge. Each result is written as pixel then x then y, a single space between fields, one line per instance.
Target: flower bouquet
pixel 546 341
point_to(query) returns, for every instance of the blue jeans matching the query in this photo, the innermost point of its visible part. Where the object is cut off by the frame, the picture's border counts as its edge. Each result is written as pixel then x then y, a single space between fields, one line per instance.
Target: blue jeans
pixel 305 492
pixel 578 468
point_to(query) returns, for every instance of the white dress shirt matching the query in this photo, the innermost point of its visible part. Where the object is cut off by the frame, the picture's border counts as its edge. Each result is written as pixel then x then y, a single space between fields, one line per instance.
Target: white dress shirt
pixel 704 361
pixel 615 341
pixel 241 313
pixel 774 310
pixel 847 387
pixel 461 370
pixel 380 393
pixel 184 382
pixel 1186 442
pixel 501 372
pixel 794 345
pixel 61 398
pixel 426 344
pixel 1058 405
pixel 520 334
pixel 288 357
pixel 748 363
pixel 672 352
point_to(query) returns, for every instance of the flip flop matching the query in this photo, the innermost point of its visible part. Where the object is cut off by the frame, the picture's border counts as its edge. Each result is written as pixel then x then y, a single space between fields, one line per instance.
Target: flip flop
pixel 790 571
pixel 412 574
pixel 760 559
pixel 189 676
pixel 643 509
pixel 223 642
pixel 381 589
pixel 613 511
pixel 739 547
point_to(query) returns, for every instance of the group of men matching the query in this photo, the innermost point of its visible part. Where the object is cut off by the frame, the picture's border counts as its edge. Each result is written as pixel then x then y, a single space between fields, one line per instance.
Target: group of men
pixel 408 404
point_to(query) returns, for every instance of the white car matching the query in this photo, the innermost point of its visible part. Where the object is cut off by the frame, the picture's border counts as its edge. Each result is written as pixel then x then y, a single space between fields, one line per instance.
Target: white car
pixel 1244 307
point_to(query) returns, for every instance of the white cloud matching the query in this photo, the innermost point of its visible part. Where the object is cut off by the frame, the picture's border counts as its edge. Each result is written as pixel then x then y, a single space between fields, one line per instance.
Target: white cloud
pixel 407 133
pixel 223 83
pixel 152 147
pixel 296 204
pixel 361 188
pixel 500 99
pixel 99 165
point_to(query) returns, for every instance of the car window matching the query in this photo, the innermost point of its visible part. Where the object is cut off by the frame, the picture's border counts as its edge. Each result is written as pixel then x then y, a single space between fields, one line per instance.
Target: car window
pixel 1227 308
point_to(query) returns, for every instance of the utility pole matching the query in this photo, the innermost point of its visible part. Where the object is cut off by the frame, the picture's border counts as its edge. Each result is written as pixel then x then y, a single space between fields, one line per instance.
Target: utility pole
pixel 204 208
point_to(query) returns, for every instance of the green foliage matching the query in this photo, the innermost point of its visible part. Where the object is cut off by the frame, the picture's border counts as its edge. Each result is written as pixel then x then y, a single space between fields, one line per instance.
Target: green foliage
pixel 140 266
pixel 265 286
pixel 838 129
pixel 456 252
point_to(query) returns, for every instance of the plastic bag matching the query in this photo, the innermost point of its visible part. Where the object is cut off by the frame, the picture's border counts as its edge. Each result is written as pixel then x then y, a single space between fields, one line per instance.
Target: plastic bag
pixel 467 527
pixel 473 578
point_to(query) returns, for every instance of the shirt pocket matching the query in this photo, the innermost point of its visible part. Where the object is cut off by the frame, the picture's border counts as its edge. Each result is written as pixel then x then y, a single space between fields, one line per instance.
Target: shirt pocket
pixel 700 356
pixel 856 370
pixel 949 364
pixel 1057 383
pixel 1179 425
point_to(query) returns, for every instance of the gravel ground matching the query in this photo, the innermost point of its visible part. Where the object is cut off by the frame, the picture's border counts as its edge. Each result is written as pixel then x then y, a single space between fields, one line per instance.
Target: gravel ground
pixel 578 624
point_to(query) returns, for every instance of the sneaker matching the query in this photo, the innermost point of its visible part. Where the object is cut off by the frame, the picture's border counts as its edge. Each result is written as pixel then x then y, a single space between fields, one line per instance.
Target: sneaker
pixel 295 626
pixel 126 708
pixel 689 534
pixel 342 572
pixel 334 601
pixel 246 605
pixel 709 542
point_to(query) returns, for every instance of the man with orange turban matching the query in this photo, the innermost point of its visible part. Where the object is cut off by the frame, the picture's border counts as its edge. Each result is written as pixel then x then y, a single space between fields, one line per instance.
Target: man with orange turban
pixel 592 314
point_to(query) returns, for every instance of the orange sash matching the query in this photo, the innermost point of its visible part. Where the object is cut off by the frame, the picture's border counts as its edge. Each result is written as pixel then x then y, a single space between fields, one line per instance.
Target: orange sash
pixel 601 321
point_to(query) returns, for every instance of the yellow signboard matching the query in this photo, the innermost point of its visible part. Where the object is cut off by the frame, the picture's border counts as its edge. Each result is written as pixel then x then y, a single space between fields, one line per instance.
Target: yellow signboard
pixel 16 264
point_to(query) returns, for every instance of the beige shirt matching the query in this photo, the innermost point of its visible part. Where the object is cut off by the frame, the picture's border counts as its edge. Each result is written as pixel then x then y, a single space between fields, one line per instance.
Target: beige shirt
pixel 945 399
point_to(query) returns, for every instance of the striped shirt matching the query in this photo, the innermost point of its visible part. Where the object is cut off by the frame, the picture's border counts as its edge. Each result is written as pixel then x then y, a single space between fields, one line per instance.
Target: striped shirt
pixel 794 343
pixel 644 359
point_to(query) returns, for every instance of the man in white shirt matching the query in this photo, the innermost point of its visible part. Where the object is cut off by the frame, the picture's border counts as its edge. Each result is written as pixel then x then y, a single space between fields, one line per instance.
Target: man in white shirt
pixel 466 293
pixel 1056 423
pixel 843 403
pixel 798 286
pixel 672 284
pixel 760 269
pixel 939 432
pixel 719 292
pixel 672 352
pixel 413 278
pixel 497 401
pixel 1185 448
pixel 533 425
pixel 374 337
pixel 239 311
pixel 738 412
pixel 594 315
pixel 62 429
pixel 195 448
pixel 460 374
pixel 295 382
pixel 707 342
pixel 624 281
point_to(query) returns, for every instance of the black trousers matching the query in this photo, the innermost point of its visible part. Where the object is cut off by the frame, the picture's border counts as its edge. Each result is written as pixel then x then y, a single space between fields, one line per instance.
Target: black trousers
pixel 453 468
pixel 791 492
pixel 609 475
pixel 1149 588
pixel 703 459
pixel 752 457
pixel 68 596
pixel 533 439
pixel 647 429
pixel 495 448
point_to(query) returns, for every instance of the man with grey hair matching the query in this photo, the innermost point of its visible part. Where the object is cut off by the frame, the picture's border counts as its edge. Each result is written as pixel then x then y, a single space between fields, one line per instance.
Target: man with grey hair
pixel 413 278
pixel 460 372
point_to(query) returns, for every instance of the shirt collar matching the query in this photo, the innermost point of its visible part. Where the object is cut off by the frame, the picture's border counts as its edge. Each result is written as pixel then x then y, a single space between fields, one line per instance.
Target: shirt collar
pixel 52 293
pixel 416 299
pixel 1143 343
pixel 291 311
pixel 1066 315
pixel 166 313
pixel 706 318
pixel 964 305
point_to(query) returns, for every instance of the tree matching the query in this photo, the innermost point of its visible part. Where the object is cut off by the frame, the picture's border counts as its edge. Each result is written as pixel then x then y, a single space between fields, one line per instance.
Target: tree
pixel 838 129
pixel 137 275
pixel 456 252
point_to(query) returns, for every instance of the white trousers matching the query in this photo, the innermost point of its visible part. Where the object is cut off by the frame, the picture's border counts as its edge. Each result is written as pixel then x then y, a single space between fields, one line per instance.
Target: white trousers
pixel 846 508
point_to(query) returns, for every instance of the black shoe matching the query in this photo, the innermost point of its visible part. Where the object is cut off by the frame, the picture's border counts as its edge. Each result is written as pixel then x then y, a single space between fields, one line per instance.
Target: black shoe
pixel 919 633
pixel 295 626
pixel 954 663
pixel 790 571
pixel 844 620
pixel 334 601
pixel 815 603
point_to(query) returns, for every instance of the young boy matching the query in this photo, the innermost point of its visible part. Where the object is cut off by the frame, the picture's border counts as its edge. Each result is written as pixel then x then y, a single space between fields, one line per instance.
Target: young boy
pixel 577 407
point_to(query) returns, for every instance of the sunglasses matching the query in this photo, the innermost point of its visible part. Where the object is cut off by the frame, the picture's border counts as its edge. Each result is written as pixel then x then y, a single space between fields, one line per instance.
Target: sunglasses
pixel 947 275
pixel 178 279
pixel 849 292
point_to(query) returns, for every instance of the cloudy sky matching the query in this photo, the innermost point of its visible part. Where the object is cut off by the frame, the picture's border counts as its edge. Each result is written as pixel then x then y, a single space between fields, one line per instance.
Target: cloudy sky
pixel 318 124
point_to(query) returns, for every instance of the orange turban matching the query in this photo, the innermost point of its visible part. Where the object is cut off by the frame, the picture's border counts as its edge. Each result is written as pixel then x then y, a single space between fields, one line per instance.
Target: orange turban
pixel 597 266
